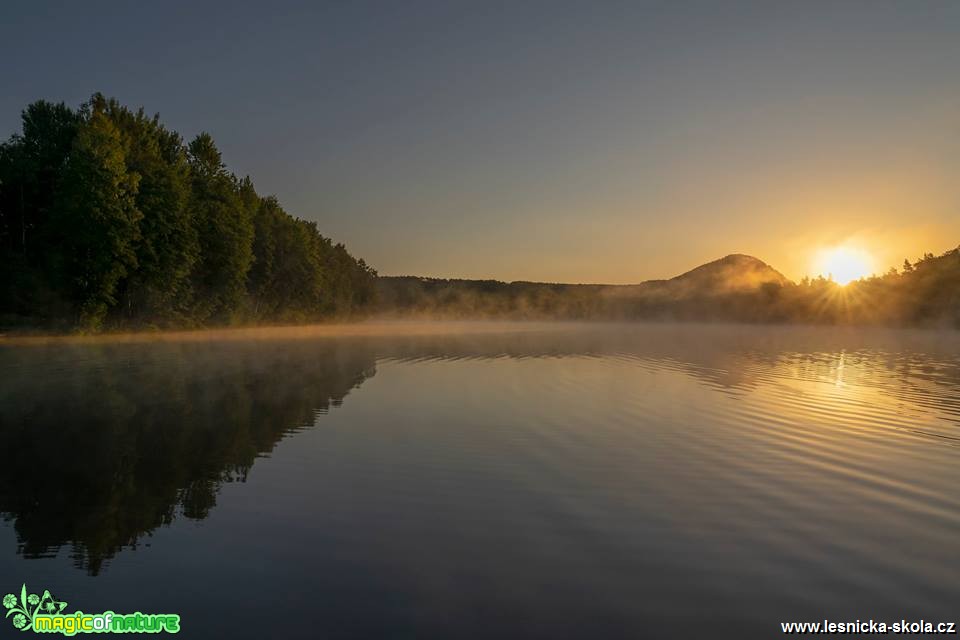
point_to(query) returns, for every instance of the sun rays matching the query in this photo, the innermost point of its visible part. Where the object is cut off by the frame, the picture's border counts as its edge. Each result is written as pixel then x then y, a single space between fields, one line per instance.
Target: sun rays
pixel 843 264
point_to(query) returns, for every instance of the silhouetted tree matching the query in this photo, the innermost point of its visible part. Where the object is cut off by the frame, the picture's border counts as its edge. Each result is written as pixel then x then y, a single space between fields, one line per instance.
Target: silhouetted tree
pixel 31 169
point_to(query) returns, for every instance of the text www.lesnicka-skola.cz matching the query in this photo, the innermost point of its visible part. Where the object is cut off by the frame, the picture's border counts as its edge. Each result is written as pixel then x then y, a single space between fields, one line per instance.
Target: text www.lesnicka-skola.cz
pixel 870 626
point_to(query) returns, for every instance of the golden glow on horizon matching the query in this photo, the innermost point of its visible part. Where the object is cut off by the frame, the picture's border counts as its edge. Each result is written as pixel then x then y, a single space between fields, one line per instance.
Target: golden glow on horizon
pixel 843 264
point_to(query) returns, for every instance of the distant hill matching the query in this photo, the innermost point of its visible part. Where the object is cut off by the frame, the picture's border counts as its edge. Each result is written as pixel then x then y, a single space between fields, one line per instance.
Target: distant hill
pixel 735 272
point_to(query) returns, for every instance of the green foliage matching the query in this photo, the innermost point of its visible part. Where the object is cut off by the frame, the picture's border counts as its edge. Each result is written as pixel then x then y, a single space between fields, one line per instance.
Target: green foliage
pixel 95 221
pixel 108 220
pixel 299 274
pixel 168 248
pixel 225 232
pixel 287 277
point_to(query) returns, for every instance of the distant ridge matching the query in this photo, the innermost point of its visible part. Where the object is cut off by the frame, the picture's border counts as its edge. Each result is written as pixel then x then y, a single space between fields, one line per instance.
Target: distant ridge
pixel 735 288
pixel 736 271
pixel 733 275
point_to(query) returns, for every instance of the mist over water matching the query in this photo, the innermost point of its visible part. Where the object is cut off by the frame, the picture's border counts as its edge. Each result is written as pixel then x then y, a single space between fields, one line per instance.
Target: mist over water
pixel 487 480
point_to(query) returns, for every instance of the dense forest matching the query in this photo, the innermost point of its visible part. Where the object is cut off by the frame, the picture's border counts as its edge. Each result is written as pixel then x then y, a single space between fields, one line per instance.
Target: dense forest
pixel 736 288
pixel 108 219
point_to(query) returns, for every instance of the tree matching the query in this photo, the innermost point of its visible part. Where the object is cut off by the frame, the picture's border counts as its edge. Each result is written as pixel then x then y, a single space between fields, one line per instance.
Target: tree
pixel 286 277
pixel 95 220
pixel 224 231
pixel 31 166
pixel 159 290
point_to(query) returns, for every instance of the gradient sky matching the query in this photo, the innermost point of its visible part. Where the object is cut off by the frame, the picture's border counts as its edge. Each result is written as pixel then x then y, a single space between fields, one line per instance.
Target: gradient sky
pixel 556 141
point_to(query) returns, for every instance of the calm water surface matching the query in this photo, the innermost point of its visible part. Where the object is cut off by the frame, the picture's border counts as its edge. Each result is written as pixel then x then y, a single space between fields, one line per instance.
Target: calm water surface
pixel 488 481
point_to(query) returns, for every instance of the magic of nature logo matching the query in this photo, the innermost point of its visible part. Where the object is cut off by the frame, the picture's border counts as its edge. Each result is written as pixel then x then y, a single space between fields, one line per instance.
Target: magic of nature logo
pixel 44 614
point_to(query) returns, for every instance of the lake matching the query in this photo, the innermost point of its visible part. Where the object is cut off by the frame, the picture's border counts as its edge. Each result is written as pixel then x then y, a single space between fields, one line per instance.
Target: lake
pixel 487 480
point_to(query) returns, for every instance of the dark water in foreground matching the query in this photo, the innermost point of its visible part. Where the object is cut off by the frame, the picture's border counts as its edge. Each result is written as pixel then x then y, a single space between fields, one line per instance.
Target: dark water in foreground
pixel 521 481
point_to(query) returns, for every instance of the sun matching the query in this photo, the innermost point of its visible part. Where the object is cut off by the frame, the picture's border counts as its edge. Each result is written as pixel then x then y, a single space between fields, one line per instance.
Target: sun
pixel 844 264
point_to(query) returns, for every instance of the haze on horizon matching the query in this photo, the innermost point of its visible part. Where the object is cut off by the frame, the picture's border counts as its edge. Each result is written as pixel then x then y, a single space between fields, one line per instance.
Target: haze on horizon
pixel 546 141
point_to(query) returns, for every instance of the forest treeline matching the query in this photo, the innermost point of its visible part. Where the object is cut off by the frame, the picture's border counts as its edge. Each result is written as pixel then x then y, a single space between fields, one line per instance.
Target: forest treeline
pixel 736 288
pixel 109 219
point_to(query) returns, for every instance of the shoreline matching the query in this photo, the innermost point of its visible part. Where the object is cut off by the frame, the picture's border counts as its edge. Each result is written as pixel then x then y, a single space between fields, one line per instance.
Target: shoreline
pixel 384 327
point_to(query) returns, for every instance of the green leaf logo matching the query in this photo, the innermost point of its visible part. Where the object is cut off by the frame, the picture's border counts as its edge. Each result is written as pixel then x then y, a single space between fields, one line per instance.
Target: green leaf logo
pixel 26 608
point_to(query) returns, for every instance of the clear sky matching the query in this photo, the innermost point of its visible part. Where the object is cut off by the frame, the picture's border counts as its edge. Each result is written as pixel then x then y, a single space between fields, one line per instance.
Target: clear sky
pixel 557 141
